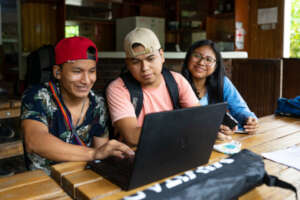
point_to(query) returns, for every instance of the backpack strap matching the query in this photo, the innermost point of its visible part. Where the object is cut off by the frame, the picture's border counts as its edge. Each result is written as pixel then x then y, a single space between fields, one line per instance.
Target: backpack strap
pixel 172 87
pixel 135 90
pixel 275 181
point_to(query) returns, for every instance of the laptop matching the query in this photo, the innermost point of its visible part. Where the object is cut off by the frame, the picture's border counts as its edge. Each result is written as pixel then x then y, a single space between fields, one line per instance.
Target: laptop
pixel 171 142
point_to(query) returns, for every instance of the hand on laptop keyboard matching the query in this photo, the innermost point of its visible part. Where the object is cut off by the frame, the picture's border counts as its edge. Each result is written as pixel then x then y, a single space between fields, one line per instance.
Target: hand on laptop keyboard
pixel 113 148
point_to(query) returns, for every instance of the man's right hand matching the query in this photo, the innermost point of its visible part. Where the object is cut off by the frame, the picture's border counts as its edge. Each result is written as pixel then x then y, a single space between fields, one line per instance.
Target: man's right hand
pixel 113 148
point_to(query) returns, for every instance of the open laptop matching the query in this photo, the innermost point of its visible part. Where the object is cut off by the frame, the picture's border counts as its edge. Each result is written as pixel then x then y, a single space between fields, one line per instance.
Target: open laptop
pixel 170 142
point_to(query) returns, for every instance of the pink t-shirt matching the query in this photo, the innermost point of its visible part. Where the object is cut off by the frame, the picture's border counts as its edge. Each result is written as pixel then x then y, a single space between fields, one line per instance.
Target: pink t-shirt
pixel 155 99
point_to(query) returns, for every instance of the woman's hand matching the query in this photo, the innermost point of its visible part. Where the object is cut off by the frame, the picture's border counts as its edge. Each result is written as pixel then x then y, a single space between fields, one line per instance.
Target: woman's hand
pixel 251 125
pixel 225 132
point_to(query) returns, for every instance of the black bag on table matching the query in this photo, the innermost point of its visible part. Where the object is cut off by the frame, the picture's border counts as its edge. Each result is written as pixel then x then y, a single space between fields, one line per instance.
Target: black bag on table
pixel 227 179
pixel 288 107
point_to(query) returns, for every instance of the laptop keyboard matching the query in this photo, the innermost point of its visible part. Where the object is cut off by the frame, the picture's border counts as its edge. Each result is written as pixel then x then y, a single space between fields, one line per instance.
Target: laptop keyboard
pixel 115 169
pixel 124 166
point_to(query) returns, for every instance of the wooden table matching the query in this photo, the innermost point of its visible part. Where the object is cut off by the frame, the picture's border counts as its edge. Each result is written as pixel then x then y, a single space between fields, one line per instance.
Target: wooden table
pixel 274 133
pixel 31 185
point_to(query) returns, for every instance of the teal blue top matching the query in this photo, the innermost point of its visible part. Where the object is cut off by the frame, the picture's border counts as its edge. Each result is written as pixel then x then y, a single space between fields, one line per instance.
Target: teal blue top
pixel 237 106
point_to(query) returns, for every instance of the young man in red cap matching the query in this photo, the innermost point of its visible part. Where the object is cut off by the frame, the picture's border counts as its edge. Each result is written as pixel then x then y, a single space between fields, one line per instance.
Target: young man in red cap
pixel 63 120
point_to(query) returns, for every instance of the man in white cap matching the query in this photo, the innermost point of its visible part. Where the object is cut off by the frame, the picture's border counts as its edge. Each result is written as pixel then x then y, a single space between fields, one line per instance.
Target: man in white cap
pixel 144 62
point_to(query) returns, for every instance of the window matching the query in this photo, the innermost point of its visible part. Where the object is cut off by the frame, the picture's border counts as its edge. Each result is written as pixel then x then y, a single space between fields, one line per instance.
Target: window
pixel 71 30
pixel 292 29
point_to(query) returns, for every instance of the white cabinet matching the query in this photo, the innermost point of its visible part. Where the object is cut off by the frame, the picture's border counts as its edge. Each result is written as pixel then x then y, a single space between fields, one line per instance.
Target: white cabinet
pixel 125 25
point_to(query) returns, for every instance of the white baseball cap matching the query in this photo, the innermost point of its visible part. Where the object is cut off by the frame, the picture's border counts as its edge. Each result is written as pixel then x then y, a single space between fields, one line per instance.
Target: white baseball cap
pixel 143 36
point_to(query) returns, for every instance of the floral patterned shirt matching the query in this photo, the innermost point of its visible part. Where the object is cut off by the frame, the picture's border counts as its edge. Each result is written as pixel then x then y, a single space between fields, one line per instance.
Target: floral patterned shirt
pixel 39 104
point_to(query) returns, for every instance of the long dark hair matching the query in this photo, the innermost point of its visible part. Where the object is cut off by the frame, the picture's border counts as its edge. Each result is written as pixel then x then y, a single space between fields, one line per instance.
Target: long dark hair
pixel 214 82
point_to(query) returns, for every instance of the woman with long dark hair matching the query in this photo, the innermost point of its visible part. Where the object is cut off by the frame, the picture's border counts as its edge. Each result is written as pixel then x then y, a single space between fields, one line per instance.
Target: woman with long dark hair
pixel 203 68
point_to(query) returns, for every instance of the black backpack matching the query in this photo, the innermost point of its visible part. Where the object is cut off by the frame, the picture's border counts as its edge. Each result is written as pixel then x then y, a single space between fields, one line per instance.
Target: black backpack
pixel 227 179
pixel 39 65
pixel 136 93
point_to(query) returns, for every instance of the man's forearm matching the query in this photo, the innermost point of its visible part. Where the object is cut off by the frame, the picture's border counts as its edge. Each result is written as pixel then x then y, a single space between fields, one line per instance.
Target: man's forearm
pixel 129 130
pixel 131 136
pixel 52 148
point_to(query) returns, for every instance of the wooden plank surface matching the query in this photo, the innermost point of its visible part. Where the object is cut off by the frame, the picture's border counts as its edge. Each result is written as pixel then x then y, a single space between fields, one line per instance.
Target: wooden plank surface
pixel 10 149
pixel 46 189
pixel 265 192
pixel 270 128
pixel 15 103
pixel 275 132
pixel 71 181
pixel 96 190
pixel 282 171
pixel 4 105
pixel 62 169
pixel 19 180
pixel 61 196
pixel 9 113
pixel 104 189
pixel 31 185
pixel 280 143
pixel 10 103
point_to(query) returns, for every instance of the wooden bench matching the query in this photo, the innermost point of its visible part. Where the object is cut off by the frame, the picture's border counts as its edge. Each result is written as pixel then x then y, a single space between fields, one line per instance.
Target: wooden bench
pixel 10 149
pixel 10 109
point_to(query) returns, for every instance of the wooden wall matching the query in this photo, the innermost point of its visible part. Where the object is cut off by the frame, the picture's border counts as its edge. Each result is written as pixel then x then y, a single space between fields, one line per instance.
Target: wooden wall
pixel 42 23
pixel 291 78
pixel 220 28
pixel 265 43
pixel 258 81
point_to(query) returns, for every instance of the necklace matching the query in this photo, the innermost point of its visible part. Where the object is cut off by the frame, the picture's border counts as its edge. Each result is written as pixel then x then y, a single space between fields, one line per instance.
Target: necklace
pixel 81 114
pixel 73 131
pixel 201 92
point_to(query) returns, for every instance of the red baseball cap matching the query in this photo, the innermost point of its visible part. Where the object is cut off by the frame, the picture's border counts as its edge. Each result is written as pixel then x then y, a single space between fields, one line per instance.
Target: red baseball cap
pixel 74 48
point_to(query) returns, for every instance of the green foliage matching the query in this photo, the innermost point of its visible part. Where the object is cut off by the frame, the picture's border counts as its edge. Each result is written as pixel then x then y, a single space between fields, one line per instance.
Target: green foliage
pixel 71 31
pixel 295 29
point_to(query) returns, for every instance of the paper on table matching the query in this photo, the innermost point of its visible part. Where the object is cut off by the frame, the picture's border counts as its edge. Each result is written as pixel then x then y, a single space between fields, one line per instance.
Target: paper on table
pixel 289 157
